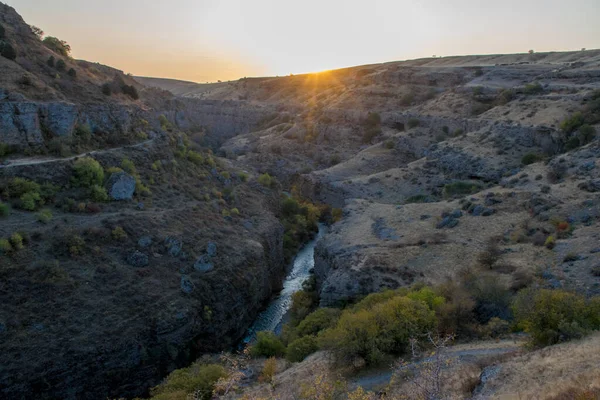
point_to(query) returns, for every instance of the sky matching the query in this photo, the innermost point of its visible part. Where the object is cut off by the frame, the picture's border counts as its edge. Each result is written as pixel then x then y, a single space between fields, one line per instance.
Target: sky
pixel 210 40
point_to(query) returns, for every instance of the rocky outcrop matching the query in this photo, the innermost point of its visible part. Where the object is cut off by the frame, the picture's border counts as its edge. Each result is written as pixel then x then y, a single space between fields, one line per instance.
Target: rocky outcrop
pixel 121 186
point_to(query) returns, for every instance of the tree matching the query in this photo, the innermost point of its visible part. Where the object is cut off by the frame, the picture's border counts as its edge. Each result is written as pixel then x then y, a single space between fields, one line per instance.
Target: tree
pixel 130 91
pixel 106 89
pixel 7 51
pixel 37 32
pixel 51 62
pixel 72 73
pixel 58 46
pixel 61 65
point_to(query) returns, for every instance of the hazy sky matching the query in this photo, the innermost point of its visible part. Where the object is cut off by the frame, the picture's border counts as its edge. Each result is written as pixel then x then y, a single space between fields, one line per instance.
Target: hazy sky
pixel 206 40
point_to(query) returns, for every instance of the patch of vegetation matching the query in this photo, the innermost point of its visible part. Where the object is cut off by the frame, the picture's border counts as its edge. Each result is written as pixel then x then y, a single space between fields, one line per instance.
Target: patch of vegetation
pixel 87 172
pixel 16 241
pixel 4 210
pixel 130 91
pixel 301 348
pixel 419 198
pixel 106 89
pixel 267 345
pixel 461 188
pixel 61 65
pixel 128 166
pixel 58 46
pixel 554 316
pixel 267 180
pixel 7 50
pixel 389 144
pixel 300 221
pixel 572 123
pixel 119 234
pixel 531 158
pixel 198 380
pixel 533 88
pixel 5 247
pixel 44 216
pixel 98 193
pixel 29 195
pixel 413 123
pixel 372 125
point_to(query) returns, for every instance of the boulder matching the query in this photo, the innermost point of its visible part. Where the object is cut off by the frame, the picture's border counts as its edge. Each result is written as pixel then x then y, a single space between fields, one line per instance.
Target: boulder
pixel 121 186
pixel 138 259
pixel 203 264
pixel 174 246
pixel 211 249
pixel 145 241
pixel 186 285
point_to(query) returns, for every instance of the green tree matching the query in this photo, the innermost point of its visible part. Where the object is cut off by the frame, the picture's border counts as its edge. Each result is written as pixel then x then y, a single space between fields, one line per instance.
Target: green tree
pixel 72 73
pixel 58 46
pixel 51 62
pixel 300 348
pixel 267 345
pixel 61 65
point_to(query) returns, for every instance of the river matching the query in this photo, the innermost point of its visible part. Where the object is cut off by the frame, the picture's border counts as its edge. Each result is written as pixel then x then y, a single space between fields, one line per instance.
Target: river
pixel 273 317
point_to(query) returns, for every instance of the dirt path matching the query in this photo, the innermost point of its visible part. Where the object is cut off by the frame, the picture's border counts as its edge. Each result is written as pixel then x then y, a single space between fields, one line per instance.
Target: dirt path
pixel 19 162
pixel 460 354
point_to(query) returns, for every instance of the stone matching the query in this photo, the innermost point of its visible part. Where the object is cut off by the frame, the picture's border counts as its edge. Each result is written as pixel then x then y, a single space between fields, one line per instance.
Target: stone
pixel 456 214
pixel 203 264
pixel 186 285
pixel 211 249
pixel 121 186
pixel 477 210
pixel 145 241
pixel 138 259
pixel 174 246
pixel 447 222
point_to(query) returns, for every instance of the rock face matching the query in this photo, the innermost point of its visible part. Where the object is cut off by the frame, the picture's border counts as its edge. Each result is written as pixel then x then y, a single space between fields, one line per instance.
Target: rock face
pixel 121 186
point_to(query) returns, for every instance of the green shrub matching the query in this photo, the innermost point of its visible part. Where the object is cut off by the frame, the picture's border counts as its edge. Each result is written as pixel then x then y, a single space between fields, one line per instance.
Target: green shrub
pixel 531 158
pixel 118 234
pixel 4 210
pixel 130 91
pixel 553 316
pixel 587 133
pixel 266 180
pixel 318 321
pixel 128 166
pixel 461 188
pixel 5 246
pixel 44 216
pixel 72 73
pixel 243 176
pixel 83 133
pixel 572 123
pixel 4 149
pixel 164 123
pixel 197 381
pixel 30 201
pixel 51 62
pixel 98 193
pixel 87 172
pixel 2 32
pixel 300 348
pixel 16 241
pixel 389 144
pixel 58 46
pixel 195 157
pixel 106 89
pixel 267 345
pixel 413 123
pixel 19 186
pixel 234 211
pixel 7 50
pixel 386 328
pixel 458 132
pixel 373 120
pixel 61 65
pixel 533 88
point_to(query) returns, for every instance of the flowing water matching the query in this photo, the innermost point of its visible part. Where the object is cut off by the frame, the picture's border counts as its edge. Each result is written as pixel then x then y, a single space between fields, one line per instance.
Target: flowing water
pixel 274 315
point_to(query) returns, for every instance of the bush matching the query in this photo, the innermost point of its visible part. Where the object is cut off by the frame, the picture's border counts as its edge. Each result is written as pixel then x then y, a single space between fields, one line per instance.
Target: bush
pixel 4 210
pixel 16 241
pixel 197 381
pixel 318 321
pixel 531 158
pixel 553 316
pixel 301 348
pixel 106 89
pixel 87 172
pixel 2 32
pixel 195 157
pixel 118 234
pixel 98 193
pixel 130 91
pixel 7 51
pixel 58 46
pixel 44 216
pixel 243 176
pixel 30 201
pixel 51 62
pixel 413 123
pixel 61 65
pixel 389 144
pixel 269 370
pixel 266 180
pixel 4 149
pixel 384 328
pixel 587 133
pixel 72 73
pixel 267 345
pixel 5 246
pixel 533 88
pixel 572 123
pixel 83 133
pixel 461 188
